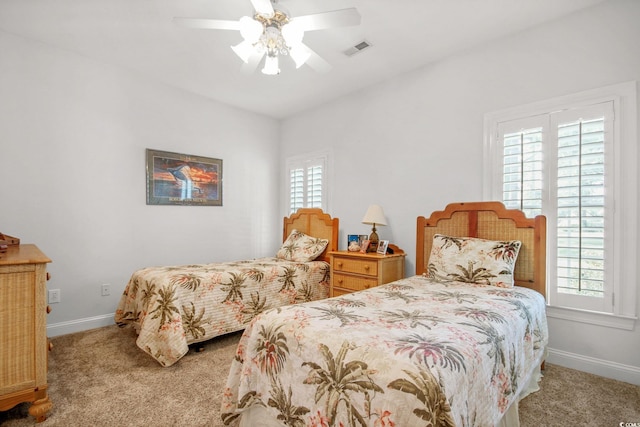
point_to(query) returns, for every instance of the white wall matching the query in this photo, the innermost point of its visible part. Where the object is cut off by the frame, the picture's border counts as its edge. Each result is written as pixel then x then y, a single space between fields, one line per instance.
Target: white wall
pixel 73 134
pixel 415 143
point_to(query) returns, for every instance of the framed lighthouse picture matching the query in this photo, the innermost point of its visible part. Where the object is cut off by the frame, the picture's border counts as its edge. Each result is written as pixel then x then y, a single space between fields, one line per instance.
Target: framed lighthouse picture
pixel 183 179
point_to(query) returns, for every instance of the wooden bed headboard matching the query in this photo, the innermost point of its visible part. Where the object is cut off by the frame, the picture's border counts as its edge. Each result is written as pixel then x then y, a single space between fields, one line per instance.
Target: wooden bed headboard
pixel 314 222
pixel 492 221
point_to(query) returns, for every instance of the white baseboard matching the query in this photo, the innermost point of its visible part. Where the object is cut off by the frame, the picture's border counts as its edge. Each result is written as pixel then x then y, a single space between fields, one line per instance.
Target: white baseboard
pixel 79 325
pixel 604 368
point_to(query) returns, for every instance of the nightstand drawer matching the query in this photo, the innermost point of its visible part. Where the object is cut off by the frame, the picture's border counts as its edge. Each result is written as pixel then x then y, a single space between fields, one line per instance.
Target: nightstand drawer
pixel 356 266
pixel 354 283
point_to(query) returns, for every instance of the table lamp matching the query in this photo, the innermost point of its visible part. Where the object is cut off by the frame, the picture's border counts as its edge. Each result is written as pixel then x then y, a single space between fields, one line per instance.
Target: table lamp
pixel 374 216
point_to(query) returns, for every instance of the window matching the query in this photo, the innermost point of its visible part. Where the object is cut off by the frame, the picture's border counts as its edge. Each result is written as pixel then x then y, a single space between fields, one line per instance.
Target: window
pixel 568 160
pixel 307 182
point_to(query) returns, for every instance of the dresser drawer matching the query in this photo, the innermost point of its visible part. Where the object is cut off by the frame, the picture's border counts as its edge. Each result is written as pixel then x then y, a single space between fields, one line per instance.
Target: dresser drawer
pixel 353 283
pixel 356 266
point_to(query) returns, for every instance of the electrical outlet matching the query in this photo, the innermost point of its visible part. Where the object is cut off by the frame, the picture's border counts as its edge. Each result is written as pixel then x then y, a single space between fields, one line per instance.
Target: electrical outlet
pixel 106 289
pixel 54 296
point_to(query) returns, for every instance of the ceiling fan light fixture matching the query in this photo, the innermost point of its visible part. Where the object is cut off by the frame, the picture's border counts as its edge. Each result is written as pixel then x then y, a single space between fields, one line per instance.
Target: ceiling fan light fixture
pixel 271 67
pixel 271 32
pixel 272 41
pixel 250 29
pixel 244 50
pixel 292 33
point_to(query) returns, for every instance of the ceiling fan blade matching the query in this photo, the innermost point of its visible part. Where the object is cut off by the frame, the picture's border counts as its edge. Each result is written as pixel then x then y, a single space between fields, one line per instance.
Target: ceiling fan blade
pixel 208 24
pixel 263 7
pixel 315 61
pixel 333 19
pixel 250 66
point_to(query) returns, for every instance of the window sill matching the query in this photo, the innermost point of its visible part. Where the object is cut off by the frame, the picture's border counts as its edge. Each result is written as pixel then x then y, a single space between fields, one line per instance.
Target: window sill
pixel 593 318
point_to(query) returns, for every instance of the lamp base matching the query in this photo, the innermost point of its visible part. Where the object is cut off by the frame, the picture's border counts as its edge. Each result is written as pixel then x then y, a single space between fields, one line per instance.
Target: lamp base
pixel 373 241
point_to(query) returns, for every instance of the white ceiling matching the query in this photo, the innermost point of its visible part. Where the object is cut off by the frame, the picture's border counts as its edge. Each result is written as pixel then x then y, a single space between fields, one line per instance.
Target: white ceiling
pixel 405 34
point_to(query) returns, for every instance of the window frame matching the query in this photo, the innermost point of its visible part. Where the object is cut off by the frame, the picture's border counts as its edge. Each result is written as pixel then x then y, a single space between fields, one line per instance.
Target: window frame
pixel 304 161
pixel 625 181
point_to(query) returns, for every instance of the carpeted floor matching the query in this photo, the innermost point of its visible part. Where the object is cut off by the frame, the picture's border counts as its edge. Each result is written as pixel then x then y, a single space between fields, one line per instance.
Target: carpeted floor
pixel 100 378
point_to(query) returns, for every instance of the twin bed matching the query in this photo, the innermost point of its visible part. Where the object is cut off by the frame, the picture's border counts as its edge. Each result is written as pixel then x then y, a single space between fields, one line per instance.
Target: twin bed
pixel 172 307
pixel 457 344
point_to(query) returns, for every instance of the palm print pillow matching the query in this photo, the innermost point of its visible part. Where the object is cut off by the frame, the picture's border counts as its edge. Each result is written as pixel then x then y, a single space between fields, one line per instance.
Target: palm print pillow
pixel 472 260
pixel 301 248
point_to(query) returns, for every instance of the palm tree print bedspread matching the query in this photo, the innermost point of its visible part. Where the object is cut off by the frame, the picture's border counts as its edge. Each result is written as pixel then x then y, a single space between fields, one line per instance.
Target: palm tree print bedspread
pixel 415 352
pixel 174 306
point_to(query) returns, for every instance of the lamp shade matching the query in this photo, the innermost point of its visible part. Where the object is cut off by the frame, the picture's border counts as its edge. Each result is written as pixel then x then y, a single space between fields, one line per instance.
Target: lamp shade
pixel 271 65
pixel 292 33
pixel 374 215
pixel 250 29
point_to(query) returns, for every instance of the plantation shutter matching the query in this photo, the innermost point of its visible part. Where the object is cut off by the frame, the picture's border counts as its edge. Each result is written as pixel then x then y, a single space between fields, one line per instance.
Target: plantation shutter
pixel 522 171
pixel 296 189
pixel 586 147
pixel 307 183
pixel 522 163
pixel 559 164
pixel 314 182
pixel 584 210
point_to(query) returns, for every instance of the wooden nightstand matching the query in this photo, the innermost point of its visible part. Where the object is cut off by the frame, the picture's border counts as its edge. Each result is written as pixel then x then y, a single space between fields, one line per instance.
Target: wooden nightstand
pixel 355 271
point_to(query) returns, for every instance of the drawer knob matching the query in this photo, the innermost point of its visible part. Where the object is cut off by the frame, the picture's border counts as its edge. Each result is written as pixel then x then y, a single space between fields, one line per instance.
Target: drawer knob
pixel 48 276
pixel 339 280
pixel 366 267
pixel 48 309
pixel 50 346
pixel 339 264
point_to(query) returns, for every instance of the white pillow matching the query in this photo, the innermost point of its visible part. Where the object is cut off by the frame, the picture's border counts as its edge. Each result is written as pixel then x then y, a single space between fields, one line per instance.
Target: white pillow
pixel 301 248
pixel 472 260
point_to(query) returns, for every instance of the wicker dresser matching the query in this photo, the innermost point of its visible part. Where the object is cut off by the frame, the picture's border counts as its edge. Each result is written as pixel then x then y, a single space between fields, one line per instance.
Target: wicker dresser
pixel 23 330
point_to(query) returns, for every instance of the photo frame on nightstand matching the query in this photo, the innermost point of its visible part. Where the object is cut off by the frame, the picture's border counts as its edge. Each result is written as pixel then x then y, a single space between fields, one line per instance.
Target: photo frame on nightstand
pixel 353 242
pixel 382 247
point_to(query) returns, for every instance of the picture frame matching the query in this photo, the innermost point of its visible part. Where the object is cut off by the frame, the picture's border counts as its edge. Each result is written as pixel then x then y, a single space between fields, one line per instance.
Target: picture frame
pixel 364 246
pixel 382 247
pixel 183 179
pixel 353 239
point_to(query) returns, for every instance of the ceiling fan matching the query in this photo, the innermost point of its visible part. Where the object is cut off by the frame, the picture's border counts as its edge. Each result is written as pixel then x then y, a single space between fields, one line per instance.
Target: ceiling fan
pixel 272 33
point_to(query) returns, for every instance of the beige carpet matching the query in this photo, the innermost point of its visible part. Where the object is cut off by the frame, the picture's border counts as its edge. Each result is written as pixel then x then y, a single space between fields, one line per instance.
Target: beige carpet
pixel 100 378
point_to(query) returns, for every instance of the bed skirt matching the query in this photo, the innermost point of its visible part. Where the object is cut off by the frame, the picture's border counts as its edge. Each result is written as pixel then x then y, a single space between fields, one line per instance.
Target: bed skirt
pixel 257 416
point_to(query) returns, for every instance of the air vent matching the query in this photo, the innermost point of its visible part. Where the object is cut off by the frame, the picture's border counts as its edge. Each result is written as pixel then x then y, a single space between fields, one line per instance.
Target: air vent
pixel 357 48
